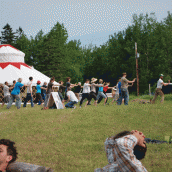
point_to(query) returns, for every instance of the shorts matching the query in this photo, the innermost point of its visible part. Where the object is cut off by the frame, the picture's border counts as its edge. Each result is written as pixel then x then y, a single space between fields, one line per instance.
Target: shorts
pixel 101 94
pixel 6 99
pixel 116 97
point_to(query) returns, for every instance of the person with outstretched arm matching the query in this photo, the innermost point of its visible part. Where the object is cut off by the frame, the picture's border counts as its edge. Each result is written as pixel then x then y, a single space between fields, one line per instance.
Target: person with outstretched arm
pixel 15 94
pixel 124 89
pixel 158 90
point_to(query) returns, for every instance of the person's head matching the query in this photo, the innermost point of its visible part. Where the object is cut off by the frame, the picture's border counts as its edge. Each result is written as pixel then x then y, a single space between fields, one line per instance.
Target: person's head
pixel 68 89
pixel 119 80
pixel 93 80
pixel 79 83
pixel 20 80
pixel 101 81
pixel 124 74
pixel 6 83
pixel 38 82
pixel 61 82
pixel 68 79
pixel 108 83
pixel 161 76
pixel 52 79
pixel 8 153
pixel 31 78
pixel 139 149
pixel 87 81
pixel 14 82
pixel 45 83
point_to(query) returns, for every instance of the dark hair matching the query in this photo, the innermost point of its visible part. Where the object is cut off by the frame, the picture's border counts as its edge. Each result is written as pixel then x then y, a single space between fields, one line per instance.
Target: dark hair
pixel 68 88
pixel 30 78
pixel 6 82
pixel 87 80
pixel 11 149
pixel 68 78
pixel 139 151
pixel 14 81
pixel 53 78
pixel 60 82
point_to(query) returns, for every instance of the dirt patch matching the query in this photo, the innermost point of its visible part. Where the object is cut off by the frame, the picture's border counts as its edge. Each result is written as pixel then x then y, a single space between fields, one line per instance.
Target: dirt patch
pixel 141 101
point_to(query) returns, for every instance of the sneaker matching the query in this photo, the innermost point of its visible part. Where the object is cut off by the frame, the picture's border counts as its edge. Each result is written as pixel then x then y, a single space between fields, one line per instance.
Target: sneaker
pixel 107 103
pixel 80 106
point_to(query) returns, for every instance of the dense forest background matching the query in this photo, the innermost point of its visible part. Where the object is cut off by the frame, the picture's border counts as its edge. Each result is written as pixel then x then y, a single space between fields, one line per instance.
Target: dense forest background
pixel 52 55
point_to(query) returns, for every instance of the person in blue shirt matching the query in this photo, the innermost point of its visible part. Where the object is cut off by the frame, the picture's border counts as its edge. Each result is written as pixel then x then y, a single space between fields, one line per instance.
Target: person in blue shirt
pixel 38 93
pixel 100 92
pixel 43 92
pixel 15 94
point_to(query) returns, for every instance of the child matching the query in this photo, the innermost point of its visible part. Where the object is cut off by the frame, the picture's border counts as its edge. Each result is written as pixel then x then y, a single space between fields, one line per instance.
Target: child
pixel 38 93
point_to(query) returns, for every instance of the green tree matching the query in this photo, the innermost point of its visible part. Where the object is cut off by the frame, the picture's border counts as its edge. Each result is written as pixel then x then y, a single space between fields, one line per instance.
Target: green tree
pixel 8 36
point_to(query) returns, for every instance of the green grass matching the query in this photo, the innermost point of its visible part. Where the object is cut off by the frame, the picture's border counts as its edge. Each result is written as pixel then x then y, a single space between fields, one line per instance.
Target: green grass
pixel 73 139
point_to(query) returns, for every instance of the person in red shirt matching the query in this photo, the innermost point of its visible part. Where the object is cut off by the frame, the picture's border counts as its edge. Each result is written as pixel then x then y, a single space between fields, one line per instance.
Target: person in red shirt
pixel 104 91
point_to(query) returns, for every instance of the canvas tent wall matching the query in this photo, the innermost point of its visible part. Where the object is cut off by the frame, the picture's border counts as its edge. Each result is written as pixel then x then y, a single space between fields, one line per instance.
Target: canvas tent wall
pixel 13 66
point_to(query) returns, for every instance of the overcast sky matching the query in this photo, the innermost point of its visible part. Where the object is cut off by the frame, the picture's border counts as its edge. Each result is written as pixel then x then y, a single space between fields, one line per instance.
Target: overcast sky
pixel 91 21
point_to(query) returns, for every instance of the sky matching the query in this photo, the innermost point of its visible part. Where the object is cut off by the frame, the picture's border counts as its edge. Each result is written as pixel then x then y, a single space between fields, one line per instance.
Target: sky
pixel 91 21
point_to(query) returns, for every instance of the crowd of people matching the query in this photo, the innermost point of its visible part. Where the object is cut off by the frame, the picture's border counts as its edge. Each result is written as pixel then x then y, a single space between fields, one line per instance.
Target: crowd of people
pixel 91 90
pixel 124 150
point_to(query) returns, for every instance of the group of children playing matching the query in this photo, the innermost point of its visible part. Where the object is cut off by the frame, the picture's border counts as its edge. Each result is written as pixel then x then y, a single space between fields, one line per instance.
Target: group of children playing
pixel 90 91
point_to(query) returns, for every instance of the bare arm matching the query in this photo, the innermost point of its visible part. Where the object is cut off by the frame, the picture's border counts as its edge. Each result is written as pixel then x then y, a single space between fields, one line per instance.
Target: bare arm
pixel 165 84
pixel 43 88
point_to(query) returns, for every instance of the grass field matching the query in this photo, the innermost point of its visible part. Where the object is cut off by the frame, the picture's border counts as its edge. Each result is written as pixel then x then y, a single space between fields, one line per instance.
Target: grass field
pixel 73 139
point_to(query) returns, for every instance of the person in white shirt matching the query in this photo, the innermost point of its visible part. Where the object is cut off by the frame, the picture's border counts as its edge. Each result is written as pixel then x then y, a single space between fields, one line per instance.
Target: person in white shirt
pixel 6 93
pixel 72 99
pixel 29 93
pixel 86 91
pixel 158 90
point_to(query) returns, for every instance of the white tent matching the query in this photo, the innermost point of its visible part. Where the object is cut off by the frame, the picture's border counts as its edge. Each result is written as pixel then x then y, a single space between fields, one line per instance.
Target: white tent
pixel 12 67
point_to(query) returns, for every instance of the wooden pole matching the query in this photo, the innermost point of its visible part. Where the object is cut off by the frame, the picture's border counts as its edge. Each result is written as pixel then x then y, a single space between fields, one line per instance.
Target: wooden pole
pixel 137 70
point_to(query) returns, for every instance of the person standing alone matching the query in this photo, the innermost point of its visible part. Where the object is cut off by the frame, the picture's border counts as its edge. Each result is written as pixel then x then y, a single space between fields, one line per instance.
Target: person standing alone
pixel 158 91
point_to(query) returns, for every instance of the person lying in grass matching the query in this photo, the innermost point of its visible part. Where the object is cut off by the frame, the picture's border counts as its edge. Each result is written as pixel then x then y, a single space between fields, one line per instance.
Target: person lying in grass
pixel 8 154
pixel 124 152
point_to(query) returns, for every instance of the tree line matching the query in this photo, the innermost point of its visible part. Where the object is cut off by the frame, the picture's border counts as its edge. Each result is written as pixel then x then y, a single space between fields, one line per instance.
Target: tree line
pixel 52 55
